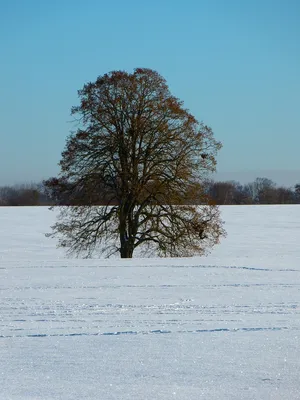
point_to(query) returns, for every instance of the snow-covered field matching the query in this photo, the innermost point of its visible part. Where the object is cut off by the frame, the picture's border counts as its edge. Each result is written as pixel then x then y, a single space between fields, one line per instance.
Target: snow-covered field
pixel 224 326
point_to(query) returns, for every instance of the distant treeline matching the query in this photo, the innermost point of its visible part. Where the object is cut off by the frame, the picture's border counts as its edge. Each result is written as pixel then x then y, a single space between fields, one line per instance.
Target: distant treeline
pixel 260 191
pixel 24 195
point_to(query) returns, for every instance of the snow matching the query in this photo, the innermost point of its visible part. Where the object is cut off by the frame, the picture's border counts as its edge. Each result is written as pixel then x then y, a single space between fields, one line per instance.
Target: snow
pixel 225 326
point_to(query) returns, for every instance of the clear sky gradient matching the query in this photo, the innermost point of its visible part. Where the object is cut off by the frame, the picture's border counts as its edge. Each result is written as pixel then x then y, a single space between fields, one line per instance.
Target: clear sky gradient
pixel 235 64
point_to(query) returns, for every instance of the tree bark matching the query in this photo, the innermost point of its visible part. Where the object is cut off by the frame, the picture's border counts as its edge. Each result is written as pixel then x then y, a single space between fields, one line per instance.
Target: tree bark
pixel 126 242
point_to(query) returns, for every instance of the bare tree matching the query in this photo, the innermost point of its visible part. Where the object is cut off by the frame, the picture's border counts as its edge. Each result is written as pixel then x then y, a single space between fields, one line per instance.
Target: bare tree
pixel 285 195
pixel 262 191
pixel 228 192
pixel 221 192
pixel 297 193
pixel 240 194
pixel 141 154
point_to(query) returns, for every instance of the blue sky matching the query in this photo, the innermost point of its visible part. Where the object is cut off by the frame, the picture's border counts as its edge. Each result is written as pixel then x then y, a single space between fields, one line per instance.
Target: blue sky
pixel 235 64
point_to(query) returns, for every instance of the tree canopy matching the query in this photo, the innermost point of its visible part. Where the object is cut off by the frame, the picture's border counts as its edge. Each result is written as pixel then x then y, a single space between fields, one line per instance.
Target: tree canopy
pixel 131 173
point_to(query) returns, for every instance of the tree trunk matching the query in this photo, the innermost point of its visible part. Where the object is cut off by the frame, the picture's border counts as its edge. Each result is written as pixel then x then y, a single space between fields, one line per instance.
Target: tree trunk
pixel 126 248
pixel 126 251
